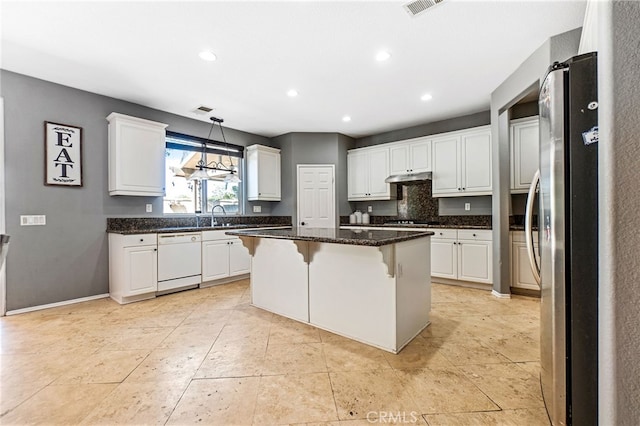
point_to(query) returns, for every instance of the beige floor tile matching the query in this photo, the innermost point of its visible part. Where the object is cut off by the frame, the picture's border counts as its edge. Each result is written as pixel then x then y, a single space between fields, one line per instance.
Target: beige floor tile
pixel 455 309
pixel 204 315
pixel 104 367
pixel 359 394
pixel 217 402
pixel 517 347
pixel 255 334
pixel 467 351
pixel 203 335
pixel 294 358
pixel 348 355
pixel 417 354
pixel 285 331
pixel 136 404
pixel 15 392
pixel 527 416
pixel 532 367
pixel 137 338
pixel 295 398
pixel 233 359
pixel 507 385
pixel 169 365
pixel 522 323
pixel 58 405
pixel 444 390
pixel 386 419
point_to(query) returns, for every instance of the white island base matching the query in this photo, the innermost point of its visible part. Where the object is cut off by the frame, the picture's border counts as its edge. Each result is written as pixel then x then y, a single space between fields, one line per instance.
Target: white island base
pixel 380 296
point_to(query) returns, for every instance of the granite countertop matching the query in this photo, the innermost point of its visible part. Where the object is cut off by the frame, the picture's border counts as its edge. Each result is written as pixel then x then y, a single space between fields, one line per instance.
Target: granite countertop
pixel 417 226
pixel 166 230
pixel 375 238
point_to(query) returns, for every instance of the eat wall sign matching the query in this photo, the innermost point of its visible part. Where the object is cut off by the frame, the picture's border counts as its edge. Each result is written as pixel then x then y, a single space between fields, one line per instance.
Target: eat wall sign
pixel 63 154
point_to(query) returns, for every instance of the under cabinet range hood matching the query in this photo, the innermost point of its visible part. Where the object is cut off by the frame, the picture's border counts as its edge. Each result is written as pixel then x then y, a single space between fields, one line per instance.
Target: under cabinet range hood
pixel 409 178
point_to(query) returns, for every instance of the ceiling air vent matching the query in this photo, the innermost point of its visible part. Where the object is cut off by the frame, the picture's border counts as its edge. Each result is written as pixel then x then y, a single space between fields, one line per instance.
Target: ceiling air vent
pixel 202 110
pixel 418 7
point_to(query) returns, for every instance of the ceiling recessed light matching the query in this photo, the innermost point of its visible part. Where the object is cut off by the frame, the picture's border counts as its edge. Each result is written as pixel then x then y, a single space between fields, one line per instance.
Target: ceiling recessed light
pixel 292 93
pixel 207 55
pixel 346 118
pixel 426 97
pixel 382 55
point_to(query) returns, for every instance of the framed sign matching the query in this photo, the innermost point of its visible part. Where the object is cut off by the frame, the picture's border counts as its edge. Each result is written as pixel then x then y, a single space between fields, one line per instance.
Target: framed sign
pixel 63 154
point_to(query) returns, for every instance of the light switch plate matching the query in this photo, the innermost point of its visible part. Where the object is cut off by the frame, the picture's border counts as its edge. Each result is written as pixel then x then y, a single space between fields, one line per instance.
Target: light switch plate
pixel 369 209
pixel 32 220
pixel 257 209
pixel 149 208
pixel 467 206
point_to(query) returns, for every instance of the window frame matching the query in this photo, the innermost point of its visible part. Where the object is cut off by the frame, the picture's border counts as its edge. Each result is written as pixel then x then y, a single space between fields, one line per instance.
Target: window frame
pixel 184 142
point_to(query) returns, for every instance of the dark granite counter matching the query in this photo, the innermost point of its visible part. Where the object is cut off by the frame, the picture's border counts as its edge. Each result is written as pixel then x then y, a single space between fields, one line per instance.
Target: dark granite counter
pixel 190 223
pixel 358 237
pixel 419 226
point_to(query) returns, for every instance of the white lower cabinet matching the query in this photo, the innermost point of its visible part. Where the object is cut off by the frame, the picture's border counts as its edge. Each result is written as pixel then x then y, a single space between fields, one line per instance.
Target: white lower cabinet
pixel 133 267
pixel 223 256
pixel 463 254
pixel 521 274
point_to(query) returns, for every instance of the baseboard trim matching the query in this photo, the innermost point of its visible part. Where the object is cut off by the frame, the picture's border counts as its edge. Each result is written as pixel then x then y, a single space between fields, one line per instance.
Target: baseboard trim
pixel 500 295
pixel 57 304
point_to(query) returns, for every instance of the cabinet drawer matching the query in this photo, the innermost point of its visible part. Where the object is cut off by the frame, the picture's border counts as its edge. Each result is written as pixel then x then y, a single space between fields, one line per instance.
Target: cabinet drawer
pixel 140 240
pixel 216 235
pixel 444 234
pixel 474 234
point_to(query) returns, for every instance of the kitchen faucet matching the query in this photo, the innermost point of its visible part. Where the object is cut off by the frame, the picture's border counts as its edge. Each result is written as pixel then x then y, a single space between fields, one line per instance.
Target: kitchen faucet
pixel 214 222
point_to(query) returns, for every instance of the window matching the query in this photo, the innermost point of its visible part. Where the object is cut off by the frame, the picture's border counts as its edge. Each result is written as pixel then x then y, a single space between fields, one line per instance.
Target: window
pixel 199 196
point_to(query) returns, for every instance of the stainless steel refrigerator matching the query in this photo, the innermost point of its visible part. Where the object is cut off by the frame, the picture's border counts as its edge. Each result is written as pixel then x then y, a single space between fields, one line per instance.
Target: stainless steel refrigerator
pixel 568 240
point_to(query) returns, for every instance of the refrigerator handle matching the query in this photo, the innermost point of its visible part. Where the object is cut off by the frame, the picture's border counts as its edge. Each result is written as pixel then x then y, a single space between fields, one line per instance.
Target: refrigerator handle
pixel 528 227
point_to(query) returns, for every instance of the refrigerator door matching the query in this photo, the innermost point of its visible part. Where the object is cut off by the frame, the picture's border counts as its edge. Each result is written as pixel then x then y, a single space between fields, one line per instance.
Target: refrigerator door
pixel 552 246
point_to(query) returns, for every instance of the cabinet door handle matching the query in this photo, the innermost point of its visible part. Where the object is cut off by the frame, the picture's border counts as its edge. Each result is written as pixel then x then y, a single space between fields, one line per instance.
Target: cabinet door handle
pixel 474 235
pixel 141 239
pixel 464 189
pixel 155 249
pixel 301 223
pixel 459 189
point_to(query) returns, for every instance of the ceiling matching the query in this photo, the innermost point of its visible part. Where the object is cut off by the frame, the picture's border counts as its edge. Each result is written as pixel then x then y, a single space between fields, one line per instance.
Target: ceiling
pixel 147 53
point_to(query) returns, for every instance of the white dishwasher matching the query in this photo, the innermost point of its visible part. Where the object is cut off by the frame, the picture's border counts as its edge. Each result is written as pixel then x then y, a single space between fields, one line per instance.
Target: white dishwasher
pixel 179 259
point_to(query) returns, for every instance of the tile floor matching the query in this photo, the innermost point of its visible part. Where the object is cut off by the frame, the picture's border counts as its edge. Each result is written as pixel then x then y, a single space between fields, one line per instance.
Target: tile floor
pixel 207 357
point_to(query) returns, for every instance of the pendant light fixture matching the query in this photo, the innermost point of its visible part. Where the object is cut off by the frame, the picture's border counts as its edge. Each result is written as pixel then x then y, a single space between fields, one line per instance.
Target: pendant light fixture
pixel 204 168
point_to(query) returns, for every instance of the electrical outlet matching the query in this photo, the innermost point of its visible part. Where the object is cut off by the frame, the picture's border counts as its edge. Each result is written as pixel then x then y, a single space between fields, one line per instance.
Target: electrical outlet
pixel 257 209
pixel 369 209
pixel 467 206
pixel 149 208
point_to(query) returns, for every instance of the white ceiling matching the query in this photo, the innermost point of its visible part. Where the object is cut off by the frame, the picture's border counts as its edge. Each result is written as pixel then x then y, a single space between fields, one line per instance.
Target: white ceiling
pixel 147 53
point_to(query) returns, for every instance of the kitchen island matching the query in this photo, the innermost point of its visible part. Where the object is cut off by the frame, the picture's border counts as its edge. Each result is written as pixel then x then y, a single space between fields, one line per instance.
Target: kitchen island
pixel 372 286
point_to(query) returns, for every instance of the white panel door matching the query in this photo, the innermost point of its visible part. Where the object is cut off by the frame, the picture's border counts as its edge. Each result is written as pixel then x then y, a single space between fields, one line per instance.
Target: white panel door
pixel 474 261
pixel 358 175
pixel 476 161
pixel 141 269
pixel 420 156
pixel 446 165
pixel 239 258
pixel 399 159
pixel 215 260
pixel 378 172
pixel 444 259
pixel 316 196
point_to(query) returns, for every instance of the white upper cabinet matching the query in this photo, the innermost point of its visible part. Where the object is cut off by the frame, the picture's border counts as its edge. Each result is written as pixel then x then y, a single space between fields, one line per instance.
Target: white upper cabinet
pixel 411 156
pixel 462 163
pixel 524 142
pixel 263 173
pixel 367 168
pixel 136 156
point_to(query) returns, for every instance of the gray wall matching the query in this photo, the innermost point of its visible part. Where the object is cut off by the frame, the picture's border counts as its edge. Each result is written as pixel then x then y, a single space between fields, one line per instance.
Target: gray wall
pixel 68 258
pixel 312 148
pixel 443 126
pixel 619 198
pixel 521 82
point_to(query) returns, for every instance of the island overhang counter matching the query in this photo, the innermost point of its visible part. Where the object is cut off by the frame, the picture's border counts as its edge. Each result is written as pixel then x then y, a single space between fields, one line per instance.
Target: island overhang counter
pixel 373 286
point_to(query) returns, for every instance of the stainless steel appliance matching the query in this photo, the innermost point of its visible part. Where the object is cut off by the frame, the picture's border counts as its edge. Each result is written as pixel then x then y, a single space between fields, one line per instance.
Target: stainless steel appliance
pixel 4 248
pixel 568 234
pixel 179 260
